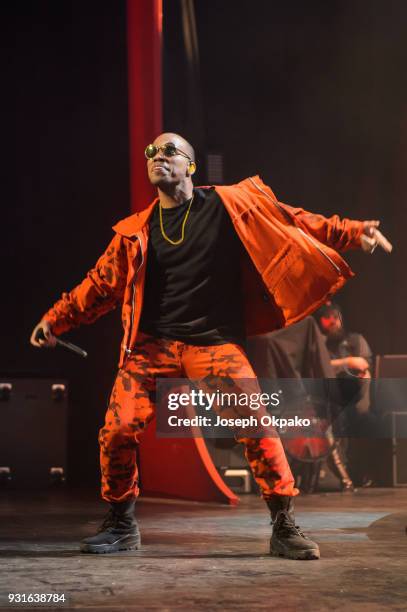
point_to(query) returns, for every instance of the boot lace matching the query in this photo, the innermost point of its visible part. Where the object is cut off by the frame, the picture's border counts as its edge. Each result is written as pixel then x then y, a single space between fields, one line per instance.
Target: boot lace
pixel 108 522
pixel 286 527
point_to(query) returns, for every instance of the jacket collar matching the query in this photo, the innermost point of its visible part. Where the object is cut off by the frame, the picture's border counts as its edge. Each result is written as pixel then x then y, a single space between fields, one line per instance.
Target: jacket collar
pixel 130 226
pixel 133 224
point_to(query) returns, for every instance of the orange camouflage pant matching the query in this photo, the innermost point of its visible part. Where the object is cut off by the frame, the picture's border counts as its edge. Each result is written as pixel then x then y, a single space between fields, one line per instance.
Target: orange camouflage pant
pixel 132 407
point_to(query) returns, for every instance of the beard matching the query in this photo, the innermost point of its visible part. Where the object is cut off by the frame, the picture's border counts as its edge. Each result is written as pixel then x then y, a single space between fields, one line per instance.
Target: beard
pixel 334 338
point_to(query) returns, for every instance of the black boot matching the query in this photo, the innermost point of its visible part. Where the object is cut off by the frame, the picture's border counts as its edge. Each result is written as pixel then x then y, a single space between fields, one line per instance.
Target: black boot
pixel 287 540
pixel 119 531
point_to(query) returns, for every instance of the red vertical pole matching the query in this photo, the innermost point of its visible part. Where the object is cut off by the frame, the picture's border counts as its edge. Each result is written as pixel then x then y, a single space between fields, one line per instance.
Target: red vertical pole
pixel 144 41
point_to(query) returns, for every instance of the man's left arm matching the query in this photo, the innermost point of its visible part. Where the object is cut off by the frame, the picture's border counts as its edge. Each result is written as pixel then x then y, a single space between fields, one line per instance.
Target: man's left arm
pixel 361 348
pixel 340 234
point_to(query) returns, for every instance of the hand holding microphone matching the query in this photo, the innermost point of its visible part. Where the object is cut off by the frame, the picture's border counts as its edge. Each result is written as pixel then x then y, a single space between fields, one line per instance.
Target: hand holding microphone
pixel 42 336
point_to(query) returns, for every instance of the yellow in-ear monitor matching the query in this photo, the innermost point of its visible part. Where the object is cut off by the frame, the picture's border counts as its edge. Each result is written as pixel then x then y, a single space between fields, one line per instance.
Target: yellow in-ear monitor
pixel 192 167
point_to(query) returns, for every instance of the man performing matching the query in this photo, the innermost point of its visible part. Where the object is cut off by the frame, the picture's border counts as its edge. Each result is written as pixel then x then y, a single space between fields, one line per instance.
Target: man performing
pixel 196 272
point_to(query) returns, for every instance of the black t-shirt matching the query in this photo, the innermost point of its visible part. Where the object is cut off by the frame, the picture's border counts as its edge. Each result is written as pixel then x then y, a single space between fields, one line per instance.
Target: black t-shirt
pixel 193 290
pixel 347 344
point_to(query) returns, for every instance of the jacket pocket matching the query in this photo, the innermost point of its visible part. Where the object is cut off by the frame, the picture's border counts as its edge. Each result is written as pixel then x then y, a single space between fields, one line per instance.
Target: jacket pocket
pixel 280 265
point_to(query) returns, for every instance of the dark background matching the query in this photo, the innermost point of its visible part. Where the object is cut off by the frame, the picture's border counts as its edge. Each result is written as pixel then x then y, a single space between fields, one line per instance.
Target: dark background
pixel 310 95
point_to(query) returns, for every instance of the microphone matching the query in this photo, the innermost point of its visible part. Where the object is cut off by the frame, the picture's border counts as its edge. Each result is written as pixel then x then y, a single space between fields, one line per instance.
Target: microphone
pixel 68 345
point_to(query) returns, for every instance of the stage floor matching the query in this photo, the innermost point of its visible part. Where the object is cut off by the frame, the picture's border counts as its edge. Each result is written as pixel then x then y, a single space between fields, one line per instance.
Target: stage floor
pixel 208 557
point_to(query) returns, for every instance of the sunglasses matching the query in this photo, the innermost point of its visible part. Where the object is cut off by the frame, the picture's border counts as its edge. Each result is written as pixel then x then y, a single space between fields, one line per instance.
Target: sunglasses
pixel 329 319
pixel 168 150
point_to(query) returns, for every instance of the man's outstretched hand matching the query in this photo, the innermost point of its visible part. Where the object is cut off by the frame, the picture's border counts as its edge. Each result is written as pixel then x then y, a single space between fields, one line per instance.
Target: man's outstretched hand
pixel 372 237
pixel 42 336
pixel 370 226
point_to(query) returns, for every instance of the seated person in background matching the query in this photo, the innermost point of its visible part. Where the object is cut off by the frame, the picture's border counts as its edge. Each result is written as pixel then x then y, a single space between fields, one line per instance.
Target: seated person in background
pixel 351 358
pixel 349 351
pixel 298 353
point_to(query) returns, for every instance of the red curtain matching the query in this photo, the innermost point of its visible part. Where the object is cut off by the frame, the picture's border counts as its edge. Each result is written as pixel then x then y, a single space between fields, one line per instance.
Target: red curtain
pixel 144 33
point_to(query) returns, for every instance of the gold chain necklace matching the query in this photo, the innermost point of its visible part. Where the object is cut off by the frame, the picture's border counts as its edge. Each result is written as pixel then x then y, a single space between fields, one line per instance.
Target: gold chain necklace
pixel 175 242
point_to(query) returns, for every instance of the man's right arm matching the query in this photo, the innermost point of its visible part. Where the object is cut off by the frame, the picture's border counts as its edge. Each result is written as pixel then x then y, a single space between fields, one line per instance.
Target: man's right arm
pixel 96 295
pixel 351 362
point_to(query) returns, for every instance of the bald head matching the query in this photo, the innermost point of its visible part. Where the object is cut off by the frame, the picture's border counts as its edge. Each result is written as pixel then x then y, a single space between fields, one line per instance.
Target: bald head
pixel 178 141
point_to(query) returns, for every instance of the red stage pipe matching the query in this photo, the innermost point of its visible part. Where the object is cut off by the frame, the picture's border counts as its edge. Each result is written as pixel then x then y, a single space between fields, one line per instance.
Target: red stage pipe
pixel 144 42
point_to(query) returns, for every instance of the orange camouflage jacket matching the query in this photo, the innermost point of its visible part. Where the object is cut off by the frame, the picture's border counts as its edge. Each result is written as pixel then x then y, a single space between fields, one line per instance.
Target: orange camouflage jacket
pixel 291 265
